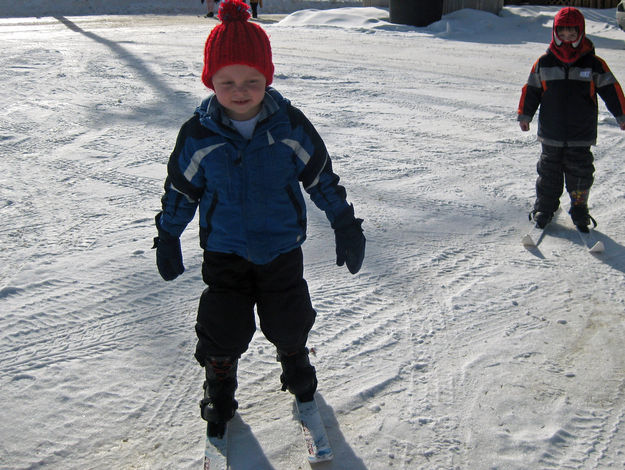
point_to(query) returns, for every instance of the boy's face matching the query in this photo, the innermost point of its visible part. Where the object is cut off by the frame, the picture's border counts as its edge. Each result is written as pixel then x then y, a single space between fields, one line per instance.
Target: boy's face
pixel 567 33
pixel 240 89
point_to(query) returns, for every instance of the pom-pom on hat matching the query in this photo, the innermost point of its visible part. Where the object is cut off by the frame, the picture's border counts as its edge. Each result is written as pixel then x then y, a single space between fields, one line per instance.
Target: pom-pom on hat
pixel 236 41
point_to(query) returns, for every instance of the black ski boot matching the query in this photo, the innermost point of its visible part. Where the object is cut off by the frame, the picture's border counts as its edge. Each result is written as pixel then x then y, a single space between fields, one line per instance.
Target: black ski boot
pixel 541 218
pixel 298 376
pixel 581 218
pixel 579 210
pixel 218 405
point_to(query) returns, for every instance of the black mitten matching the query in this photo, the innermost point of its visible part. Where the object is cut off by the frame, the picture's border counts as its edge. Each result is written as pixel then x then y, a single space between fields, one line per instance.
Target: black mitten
pixel 168 253
pixel 350 241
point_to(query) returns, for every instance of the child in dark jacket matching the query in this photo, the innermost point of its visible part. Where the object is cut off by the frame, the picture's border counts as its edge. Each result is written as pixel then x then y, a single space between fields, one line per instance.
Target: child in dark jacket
pixel 241 160
pixel 565 82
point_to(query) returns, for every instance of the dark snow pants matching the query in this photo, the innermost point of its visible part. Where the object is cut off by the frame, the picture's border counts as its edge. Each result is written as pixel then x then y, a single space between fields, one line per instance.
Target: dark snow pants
pixel 225 320
pixel 560 165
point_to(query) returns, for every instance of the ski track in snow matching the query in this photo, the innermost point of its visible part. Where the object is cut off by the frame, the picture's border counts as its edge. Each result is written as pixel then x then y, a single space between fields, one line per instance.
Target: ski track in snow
pixel 454 348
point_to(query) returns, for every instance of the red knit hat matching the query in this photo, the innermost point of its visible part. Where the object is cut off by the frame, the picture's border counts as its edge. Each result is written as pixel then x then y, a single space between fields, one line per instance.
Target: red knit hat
pixel 236 41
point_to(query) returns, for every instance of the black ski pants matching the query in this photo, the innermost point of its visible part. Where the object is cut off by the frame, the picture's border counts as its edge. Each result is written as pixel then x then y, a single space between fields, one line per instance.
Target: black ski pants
pixel 560 165
pixel 225 320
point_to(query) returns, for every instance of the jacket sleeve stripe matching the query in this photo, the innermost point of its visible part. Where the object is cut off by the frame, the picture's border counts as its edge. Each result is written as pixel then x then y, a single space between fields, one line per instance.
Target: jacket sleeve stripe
pixel 605 79
pixel 317 175
pixel 530 94
pixel 621 98
pixel 188 198
pixel 613 94
pixel 301 153
pixel 534 80
pixel 196 159
pixel 522 100
pixel 314 165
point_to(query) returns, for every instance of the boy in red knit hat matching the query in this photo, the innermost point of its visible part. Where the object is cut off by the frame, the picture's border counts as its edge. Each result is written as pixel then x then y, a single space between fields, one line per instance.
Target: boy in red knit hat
pixel 242 159
pixel 565 82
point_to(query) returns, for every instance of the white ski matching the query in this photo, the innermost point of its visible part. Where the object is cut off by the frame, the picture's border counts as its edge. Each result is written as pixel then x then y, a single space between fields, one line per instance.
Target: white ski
pixel 315 435
pixel 216 450
pixel 590 242
pixel 533 237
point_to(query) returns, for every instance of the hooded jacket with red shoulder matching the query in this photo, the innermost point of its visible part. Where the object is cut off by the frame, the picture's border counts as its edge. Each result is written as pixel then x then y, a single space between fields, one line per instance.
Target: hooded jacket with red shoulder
pixel 565 82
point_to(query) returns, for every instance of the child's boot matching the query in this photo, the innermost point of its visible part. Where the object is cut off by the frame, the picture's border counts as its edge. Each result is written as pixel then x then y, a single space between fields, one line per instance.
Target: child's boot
pixel 218 405
pixel 298 376
pixel 541 218
pixel 579 210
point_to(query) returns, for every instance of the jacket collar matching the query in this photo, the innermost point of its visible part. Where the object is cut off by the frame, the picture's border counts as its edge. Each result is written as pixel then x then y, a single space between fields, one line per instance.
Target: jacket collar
pixel 213 115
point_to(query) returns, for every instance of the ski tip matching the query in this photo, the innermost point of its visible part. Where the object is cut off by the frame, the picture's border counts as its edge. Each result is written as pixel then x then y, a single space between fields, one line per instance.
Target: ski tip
pixel 527 240
pixel 597 247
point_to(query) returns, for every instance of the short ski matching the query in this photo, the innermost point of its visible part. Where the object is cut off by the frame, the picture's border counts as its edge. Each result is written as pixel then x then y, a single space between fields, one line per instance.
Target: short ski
pixel 315 435
pixel 533 237
pixel 590 241
pixel 216 450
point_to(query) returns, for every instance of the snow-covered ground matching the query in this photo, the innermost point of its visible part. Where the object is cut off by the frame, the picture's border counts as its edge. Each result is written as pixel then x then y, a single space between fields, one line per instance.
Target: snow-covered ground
pixel 453 348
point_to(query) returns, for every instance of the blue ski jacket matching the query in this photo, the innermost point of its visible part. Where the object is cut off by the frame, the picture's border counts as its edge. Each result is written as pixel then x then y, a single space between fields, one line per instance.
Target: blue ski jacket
pixel 248 191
